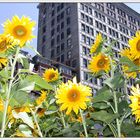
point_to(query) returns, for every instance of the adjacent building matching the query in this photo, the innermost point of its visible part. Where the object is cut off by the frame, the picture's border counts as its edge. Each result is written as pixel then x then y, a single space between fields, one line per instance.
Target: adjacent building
pixel 66 32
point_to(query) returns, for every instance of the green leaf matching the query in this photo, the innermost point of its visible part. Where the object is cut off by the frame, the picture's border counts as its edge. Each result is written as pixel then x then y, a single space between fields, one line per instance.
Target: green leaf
pixel 25 130
pixel 123 106
pixel 126 61
pixel 39 82
pixel 100 105
pixel 116 82
pixel 24 117
pixel 103 94
pixel 104 116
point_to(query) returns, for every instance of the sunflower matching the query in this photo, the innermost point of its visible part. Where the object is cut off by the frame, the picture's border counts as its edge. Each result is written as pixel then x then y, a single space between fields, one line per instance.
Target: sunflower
pixel 41 112
pixel 7 42
pixel 127 53
pixel 72 96
pixel 135 45
pixel 42 98
pixel 135 102
pixel 20 29
pixel 97 43
pixel 99 63
pixel 3 62
pixel 51 75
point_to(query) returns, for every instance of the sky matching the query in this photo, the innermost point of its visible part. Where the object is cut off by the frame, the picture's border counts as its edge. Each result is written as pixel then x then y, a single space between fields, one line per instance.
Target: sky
pixel 7 10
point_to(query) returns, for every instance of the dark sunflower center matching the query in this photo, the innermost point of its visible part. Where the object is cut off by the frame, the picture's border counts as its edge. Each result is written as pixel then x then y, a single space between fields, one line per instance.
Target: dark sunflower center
pixel 73 95
pixel 3 45
pixel 101 63
pixel 138 46
pixel 51 76
pixel 20 30
pixel 137 62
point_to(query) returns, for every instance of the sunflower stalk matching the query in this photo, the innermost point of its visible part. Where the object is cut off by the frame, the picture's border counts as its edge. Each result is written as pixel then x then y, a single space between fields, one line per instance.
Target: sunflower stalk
pixel 8 91
pixel 84 123
pixel 115 101
pixel 36 122
pixel 62 118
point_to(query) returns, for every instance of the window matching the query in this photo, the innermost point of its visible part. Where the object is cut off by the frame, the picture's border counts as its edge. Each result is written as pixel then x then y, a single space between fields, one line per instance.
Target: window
pixel 58 49
pixel 53 13
pixel 86 9
pixel 58 8
pixel 68 31
pixel 90 21
pixel 69 54
pixel 88 41
pixel 44 29
pixel 62 5
pixel 82 6
pixel 74 63
pixel 52 32
pixel 83 27
pixel 58 18
pixel 62 15
pixel 43 39
pixel 82 16
pixel 62 35
pixel 90 11
pixel 52 42
pixel 62 58
pixel 84 50
pixel 85 63
pixel 68 20
pixel 69 42
pixel 62 46
pixel 58 38
pixel 91 32
pixel 87 29
pixel 52 53
pixel 62 25
pixel 83 38
pixel 52 22
pixel 68 11
pixel 85 76
pixel 86 19
pixel 58 28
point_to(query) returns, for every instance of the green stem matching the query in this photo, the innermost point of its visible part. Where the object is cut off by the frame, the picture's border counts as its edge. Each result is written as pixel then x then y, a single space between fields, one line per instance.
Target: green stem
pixel 117 120
pixel 84 124
pixel 115 101
pixel 63 120
pixel 36 122
pixel 113 131
pixel 6 103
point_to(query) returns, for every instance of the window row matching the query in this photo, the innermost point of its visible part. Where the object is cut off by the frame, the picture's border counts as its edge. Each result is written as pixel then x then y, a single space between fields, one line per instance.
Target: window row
pixel 100 26
pixel 113 33
pixel 100 16
pixel 99 6
pixel 95 81
pixel 86 8
pixel 87 19
pixel 112 23
pixel 123 30
pixel 86 51
pixel 124 38
pixel 87 40
pixel 87 29
pixel 122 20
pixel 111 13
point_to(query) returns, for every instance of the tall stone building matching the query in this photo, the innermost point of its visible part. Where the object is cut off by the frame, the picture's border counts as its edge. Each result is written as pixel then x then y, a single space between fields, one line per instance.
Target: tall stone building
pixel 67 31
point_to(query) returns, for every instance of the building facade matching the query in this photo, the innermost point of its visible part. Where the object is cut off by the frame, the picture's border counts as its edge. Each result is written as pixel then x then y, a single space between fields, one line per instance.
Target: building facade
pixel 66 32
